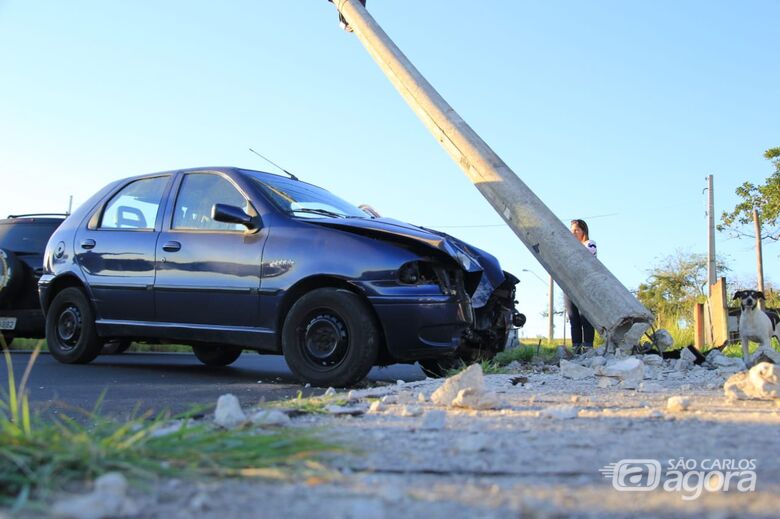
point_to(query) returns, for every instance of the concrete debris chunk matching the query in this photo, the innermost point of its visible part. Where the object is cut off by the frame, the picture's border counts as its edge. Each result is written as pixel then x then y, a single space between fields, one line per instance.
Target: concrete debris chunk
pixel 683 364
pixel 270 418
pixel 650 387
pixel 653 360
pixel 678 404
pixel 630 368
pixel 228 413
pixel 766 355
pixel 470 398
pixel 761 382
pixel 434 420
pixel 389 399
pixel 471 377
pixel 329 392
pixel 595 362
pixel 108 499
pixel 410 410
pixel 605 382
pixel 563 412
pixel 633 336
pixel 663 340
pixel 574 371
pixel 377 407
pixel 651 372
pixel 688 355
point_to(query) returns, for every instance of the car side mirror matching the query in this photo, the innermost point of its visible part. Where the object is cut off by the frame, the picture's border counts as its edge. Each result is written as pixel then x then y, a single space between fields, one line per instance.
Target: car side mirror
pixel 231 214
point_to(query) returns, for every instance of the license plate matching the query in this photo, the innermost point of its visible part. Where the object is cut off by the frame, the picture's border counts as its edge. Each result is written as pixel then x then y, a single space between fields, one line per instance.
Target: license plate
pixel 7 323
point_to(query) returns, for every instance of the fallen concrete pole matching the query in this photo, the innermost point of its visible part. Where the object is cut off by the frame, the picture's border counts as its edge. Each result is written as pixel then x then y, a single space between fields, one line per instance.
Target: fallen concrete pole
pixel 598 294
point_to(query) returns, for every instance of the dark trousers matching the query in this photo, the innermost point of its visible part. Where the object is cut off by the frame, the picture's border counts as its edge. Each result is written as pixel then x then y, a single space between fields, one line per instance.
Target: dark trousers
pixel 581 329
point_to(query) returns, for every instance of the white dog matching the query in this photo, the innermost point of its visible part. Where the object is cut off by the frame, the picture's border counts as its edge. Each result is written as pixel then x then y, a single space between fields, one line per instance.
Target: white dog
pixel 756 326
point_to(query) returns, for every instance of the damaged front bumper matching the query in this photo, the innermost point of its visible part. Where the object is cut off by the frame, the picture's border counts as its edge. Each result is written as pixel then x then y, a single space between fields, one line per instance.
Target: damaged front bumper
pixel 448 325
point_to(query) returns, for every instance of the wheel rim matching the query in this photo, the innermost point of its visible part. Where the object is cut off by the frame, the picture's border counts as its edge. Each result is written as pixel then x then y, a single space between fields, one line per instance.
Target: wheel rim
pixel 69 327
pixel 324 339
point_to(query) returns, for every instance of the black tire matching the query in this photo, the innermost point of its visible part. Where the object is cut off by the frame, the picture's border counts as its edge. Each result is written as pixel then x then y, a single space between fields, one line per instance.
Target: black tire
pixel 11 274
pixel 70 328
pixel 115 347
pixel 216 355
pixel 438 368
pixel 330 338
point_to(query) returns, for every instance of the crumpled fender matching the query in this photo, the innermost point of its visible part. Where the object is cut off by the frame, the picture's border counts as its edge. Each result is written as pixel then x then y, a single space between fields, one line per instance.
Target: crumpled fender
pixel 470 258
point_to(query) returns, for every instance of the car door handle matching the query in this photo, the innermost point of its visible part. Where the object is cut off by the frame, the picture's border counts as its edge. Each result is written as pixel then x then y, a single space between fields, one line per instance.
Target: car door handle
pixel 171 246
pixel 88 244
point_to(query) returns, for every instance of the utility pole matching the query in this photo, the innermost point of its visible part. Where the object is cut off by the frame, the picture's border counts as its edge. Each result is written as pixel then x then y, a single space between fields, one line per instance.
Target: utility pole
pixel 712 275
pixel 603 300
pixel 759 255
pixel 551 311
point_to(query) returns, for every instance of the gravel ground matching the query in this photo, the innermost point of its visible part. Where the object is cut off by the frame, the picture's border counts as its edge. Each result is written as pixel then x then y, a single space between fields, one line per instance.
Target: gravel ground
pixel 537 456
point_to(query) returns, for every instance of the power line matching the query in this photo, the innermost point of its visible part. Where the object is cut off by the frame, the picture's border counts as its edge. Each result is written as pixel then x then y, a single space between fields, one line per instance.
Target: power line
pixel 482 226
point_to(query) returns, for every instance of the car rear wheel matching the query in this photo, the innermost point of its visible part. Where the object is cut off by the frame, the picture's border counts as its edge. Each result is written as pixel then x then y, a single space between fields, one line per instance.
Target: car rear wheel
pixel 330 338
pixel 70 328
pixel 216 355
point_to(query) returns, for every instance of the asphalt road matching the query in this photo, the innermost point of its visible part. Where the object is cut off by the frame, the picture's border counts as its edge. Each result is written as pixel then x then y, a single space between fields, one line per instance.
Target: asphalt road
pixel 160 381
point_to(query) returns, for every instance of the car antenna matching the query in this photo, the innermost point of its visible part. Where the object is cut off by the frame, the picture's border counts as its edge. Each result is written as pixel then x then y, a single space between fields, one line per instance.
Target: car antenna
pixel 274 163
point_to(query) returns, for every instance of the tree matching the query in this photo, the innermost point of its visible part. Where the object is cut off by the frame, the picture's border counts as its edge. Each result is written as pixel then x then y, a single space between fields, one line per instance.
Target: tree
pixel 763 197
pixel 679 281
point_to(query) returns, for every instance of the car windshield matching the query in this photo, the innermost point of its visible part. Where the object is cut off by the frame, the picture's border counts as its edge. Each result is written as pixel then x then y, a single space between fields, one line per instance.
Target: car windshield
pixel 305 200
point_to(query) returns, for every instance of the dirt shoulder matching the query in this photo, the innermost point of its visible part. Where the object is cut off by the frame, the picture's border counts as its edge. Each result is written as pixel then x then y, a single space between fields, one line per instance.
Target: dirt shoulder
pixel 539 455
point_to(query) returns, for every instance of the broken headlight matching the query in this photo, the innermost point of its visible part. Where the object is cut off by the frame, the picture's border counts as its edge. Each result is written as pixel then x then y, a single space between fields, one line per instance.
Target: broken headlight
pixel 449 280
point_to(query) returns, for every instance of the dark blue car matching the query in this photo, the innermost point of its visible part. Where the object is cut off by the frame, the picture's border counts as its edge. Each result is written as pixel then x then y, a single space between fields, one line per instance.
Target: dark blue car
pixel 226 259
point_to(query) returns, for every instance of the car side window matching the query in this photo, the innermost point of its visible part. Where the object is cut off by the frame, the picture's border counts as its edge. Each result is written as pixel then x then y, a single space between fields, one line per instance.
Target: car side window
pixel 197 195
pixel 135 206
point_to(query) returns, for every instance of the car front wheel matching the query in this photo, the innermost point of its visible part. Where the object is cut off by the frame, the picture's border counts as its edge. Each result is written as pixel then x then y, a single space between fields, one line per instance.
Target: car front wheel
pixel 70 328
pixel 330 338
pixel 216 355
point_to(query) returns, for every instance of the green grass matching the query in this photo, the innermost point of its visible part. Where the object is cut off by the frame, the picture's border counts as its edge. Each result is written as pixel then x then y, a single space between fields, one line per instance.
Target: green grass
pixel 39 456
pixel 309 405
pixel 523 354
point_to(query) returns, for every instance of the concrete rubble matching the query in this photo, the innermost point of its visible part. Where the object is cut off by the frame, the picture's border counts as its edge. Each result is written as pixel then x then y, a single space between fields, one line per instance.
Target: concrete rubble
pixel 467 390
pixel 761 382
pixel 477 445
pixel 575 371
pixel 677 404
pixel 228 413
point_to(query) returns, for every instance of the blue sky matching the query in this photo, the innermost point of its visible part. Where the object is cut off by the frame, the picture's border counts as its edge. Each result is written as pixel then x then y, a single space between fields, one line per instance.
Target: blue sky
pixel 610 111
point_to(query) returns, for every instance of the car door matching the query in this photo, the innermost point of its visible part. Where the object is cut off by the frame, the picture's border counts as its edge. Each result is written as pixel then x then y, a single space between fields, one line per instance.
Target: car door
pixel 116 250
pixel 208 272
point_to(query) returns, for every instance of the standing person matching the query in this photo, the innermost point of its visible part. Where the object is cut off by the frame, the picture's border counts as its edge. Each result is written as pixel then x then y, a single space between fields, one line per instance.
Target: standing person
pixel 581 330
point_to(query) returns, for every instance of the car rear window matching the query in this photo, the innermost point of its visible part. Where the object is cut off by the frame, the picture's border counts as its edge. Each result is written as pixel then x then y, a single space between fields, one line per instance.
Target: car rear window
pixel 26 237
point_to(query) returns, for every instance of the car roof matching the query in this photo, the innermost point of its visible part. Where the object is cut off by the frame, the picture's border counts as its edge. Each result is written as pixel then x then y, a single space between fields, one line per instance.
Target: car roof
pixel 223 169
pixel 34 218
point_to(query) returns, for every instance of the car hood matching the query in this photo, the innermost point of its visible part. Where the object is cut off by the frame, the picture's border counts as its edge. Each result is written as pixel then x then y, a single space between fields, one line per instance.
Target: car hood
pixel 470 258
